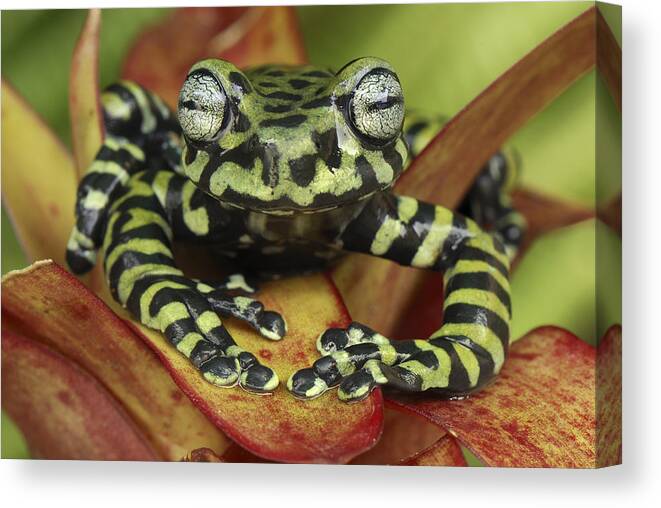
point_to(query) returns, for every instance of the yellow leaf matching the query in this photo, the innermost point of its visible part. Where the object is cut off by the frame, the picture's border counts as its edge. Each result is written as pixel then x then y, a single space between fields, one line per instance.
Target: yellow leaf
pixel 38 180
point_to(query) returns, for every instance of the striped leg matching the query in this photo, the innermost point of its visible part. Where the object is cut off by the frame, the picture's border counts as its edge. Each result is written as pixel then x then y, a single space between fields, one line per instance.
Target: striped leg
pixel 489 204
pixel 488 200
pixel 471 346
pixel 140 132
pixel 142 276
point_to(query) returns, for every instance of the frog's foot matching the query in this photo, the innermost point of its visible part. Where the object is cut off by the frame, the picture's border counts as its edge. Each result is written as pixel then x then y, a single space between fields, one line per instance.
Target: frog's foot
pixel 81 252
pixel 189 318
pixel 357 359
pixel 269 324
pixel 336 339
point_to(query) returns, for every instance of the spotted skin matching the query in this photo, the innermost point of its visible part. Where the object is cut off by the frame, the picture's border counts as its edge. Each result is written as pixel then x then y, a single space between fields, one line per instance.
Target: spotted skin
pixel 277 172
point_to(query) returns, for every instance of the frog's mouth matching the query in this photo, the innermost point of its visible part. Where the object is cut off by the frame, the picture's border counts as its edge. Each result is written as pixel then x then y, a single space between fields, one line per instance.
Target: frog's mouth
pixel 263 177
pixel 266 209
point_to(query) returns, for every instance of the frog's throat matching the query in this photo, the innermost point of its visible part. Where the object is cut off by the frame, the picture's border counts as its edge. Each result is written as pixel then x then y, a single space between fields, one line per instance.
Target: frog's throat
pixel 290 211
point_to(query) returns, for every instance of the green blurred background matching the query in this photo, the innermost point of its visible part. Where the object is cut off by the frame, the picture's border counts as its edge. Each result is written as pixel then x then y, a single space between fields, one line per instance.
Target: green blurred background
pixel 445 54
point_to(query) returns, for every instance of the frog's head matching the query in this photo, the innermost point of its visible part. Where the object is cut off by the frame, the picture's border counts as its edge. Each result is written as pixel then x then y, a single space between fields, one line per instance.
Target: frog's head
pixel 291 139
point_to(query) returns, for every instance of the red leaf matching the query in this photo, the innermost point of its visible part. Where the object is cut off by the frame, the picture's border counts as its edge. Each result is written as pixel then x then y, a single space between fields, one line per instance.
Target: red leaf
pixel 246 36
pixel 47 304
pixel 63 411
pixel 405 434
pixel 445 452
pixel 279 427
pixel 609 398
pixel 540 411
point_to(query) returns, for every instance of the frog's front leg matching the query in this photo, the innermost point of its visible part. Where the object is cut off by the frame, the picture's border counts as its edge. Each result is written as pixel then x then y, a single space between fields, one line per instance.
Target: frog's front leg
pixel 142 275
pixel 141 133
pixel 470 347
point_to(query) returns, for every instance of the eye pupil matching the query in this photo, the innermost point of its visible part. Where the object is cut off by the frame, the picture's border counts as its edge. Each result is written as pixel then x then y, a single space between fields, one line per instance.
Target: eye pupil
pixel 191 105
pixel 385 103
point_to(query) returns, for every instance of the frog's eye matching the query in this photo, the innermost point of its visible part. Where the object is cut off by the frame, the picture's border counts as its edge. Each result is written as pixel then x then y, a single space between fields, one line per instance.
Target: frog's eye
pixel 202 106
pixel 377 106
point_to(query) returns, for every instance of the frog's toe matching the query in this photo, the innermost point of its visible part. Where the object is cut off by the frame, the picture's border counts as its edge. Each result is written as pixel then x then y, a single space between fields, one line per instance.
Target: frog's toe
pixel 306 384
pixel 81 253
pixel 360 384
pixel 259 379
pixel 269 324
pixel 221 371
pixel 337 339
pixel 332 340
pixel 313 381
pixel 272 325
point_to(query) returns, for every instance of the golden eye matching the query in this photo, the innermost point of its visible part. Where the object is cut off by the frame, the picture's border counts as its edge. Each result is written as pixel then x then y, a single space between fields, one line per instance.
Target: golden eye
pixel 377 105
pixel 202 107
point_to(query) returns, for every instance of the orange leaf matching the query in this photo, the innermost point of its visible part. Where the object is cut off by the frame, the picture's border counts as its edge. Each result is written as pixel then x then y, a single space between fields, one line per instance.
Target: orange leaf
pixel 63 411
pixel 404 291
pixel 46 303
pixel 540 411
pixel 38 180
pixel 609 398
pixel 544 213
pixel 279 427
pixel 445 169
pixel 84 104
pixel 246 36
pixel 445 452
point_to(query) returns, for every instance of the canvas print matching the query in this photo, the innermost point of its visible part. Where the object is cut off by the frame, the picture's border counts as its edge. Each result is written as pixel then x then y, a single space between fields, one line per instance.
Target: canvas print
pixel 384 234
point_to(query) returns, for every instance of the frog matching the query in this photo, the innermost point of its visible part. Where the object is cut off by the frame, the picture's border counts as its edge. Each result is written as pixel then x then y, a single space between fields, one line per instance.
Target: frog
pixel 279 170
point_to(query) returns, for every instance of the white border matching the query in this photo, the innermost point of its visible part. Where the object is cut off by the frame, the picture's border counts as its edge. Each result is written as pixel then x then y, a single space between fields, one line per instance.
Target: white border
pixel 71 484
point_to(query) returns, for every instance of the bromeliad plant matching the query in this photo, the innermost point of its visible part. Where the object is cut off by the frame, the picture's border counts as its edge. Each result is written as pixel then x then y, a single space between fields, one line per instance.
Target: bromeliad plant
pixel 84 381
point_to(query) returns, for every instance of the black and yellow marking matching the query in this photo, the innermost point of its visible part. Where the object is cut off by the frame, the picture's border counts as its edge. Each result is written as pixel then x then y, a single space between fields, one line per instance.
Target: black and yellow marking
pixel 291 184
pixel 140 132
pixel 470 347
pixel 141 273
pixel 281 152
pixel 487 201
